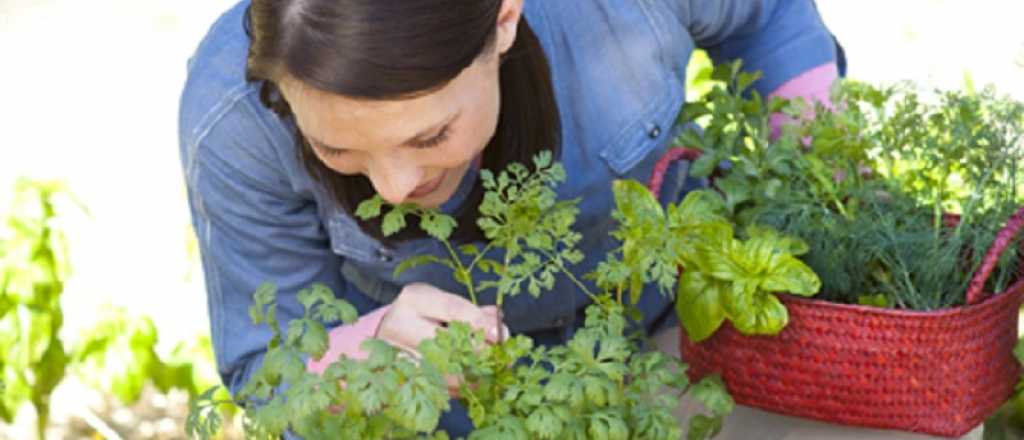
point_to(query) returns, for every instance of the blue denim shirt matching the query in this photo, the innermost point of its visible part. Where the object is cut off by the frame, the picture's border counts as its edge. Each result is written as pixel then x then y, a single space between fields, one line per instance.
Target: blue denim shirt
pixel 618 67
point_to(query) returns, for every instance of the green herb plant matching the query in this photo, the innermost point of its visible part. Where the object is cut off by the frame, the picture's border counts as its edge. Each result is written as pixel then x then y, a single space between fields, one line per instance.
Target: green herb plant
pixel 897 198
pixel 724 277
pixel 597 386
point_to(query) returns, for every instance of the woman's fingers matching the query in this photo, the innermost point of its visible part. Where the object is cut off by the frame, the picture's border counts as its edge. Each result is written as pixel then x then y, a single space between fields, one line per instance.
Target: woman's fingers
pixel 435 304
pixel 454 383
pixel 404 329
pixel 438 305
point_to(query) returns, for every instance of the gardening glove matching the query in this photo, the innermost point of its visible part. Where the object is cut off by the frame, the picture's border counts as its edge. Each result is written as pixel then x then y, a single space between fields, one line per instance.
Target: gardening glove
pixel 418 312
pixel 814 85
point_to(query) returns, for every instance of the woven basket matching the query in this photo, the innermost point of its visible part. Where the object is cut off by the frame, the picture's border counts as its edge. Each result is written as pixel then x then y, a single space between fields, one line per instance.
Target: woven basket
pixel 940 372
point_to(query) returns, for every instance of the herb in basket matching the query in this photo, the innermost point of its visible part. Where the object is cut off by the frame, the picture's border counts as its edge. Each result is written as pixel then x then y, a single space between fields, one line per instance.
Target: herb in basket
pixel 897 198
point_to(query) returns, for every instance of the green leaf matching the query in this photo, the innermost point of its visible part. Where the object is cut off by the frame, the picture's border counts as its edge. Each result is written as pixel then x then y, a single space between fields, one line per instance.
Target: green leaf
pixel 711 392
pixel 265 295
pixel 542 160
pixel 703 427
pixel 370 208
pixel 283 363
pixel 698 208
pixel 699 305
pixel 704 165
pixel 337 310
pixel 1019 350
pixel 437 225
pixel 781 243
pixel 736 191
pixel 560 387
pixel 790 275
pixel 769 189
pixel 307 298
pixel 759 314
pixel 544 424
pixel 635 201
pixel 726 72
pixel 598 391
pixel 420 260
pixel 469 250
pixel 607 425
pixel 393 222
pixel 692 138
pixel 746 79
pixel 879 300
pixel 420 403
pixel 314 340
pixel 203 420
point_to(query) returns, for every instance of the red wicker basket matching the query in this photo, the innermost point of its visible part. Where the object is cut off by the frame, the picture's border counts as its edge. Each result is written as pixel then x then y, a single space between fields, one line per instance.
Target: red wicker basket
pixel 940 372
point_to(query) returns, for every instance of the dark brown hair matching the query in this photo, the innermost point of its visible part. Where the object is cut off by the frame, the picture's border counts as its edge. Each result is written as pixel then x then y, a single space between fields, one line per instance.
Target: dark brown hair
pixel 395 49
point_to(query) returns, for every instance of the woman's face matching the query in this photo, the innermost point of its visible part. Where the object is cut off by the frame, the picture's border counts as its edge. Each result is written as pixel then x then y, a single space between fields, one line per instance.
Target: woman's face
pixel 414 150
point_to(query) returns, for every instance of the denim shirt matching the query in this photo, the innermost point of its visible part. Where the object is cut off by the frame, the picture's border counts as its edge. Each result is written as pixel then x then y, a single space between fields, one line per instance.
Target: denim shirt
pixel 618 68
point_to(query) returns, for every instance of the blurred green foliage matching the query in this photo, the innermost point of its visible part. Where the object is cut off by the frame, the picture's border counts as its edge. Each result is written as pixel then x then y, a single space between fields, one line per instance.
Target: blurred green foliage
pixel 116 356
pixel 33 268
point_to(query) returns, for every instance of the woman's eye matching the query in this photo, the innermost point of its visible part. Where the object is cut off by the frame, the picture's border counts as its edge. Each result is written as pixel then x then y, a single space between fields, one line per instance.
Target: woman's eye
pixel 436 140
pixel 326 151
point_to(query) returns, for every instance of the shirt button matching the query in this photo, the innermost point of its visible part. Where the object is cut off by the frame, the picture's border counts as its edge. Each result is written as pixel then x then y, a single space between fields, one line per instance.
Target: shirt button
pixel 654 131
pixel 384 256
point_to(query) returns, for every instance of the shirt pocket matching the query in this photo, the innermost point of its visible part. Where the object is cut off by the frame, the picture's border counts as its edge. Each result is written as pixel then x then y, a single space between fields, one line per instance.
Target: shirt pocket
pixel 614 66
pixel 348 241
pixel 367 253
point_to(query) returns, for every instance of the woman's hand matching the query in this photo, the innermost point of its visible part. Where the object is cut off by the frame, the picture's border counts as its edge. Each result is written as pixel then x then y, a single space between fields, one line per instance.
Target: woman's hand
pixel 421 310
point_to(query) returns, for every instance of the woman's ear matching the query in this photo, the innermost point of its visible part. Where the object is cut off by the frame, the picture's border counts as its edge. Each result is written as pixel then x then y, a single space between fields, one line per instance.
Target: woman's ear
pixel 508 22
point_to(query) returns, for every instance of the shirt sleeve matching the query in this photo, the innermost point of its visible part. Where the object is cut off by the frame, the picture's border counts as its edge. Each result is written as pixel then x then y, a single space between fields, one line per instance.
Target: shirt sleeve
pixel 253 226
pixel 780 38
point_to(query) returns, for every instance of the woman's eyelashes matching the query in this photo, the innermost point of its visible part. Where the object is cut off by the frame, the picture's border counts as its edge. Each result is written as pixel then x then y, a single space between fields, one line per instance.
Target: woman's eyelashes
pixel 324 150
pixel 435 141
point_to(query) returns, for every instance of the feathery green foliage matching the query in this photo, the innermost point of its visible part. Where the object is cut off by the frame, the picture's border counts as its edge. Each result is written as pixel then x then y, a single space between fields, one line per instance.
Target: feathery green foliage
pixel 600 385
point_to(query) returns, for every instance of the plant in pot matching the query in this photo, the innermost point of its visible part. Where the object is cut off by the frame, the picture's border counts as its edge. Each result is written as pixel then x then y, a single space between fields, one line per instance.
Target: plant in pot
pixel 600 385
pixel 899 207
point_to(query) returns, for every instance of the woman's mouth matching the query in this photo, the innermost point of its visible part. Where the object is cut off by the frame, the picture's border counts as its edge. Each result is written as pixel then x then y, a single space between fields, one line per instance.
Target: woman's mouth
pixel 429 187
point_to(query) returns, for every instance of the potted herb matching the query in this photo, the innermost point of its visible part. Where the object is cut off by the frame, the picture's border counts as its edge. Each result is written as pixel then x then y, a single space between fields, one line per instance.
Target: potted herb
pixel 598 386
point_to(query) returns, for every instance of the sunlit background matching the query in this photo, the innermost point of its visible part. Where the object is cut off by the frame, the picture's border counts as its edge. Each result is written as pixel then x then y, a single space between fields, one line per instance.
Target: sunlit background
pixel 89 92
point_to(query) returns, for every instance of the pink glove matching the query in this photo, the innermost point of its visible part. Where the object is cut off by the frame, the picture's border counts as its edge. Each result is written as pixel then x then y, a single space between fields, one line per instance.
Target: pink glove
pixel 345 340
pixel 813 85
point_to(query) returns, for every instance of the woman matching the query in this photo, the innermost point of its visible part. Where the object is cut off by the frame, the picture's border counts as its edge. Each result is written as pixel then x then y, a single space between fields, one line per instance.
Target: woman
pixel 297 110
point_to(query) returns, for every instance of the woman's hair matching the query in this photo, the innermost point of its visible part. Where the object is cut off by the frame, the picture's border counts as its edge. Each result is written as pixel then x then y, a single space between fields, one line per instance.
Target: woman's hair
pixel 399 49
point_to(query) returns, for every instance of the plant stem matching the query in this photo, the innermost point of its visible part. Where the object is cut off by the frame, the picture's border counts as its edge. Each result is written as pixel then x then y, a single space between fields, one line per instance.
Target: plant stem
pixel 98 425
pixel 569 274
pixel 480 256
pixel 462 270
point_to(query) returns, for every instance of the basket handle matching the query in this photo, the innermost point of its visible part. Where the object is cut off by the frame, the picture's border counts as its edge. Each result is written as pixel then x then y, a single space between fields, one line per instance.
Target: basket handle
pixel 673 154
pixel 976 289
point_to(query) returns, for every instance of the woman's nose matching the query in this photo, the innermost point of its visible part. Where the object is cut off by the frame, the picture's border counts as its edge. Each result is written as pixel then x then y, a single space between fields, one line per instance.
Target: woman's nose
pixel 395 181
